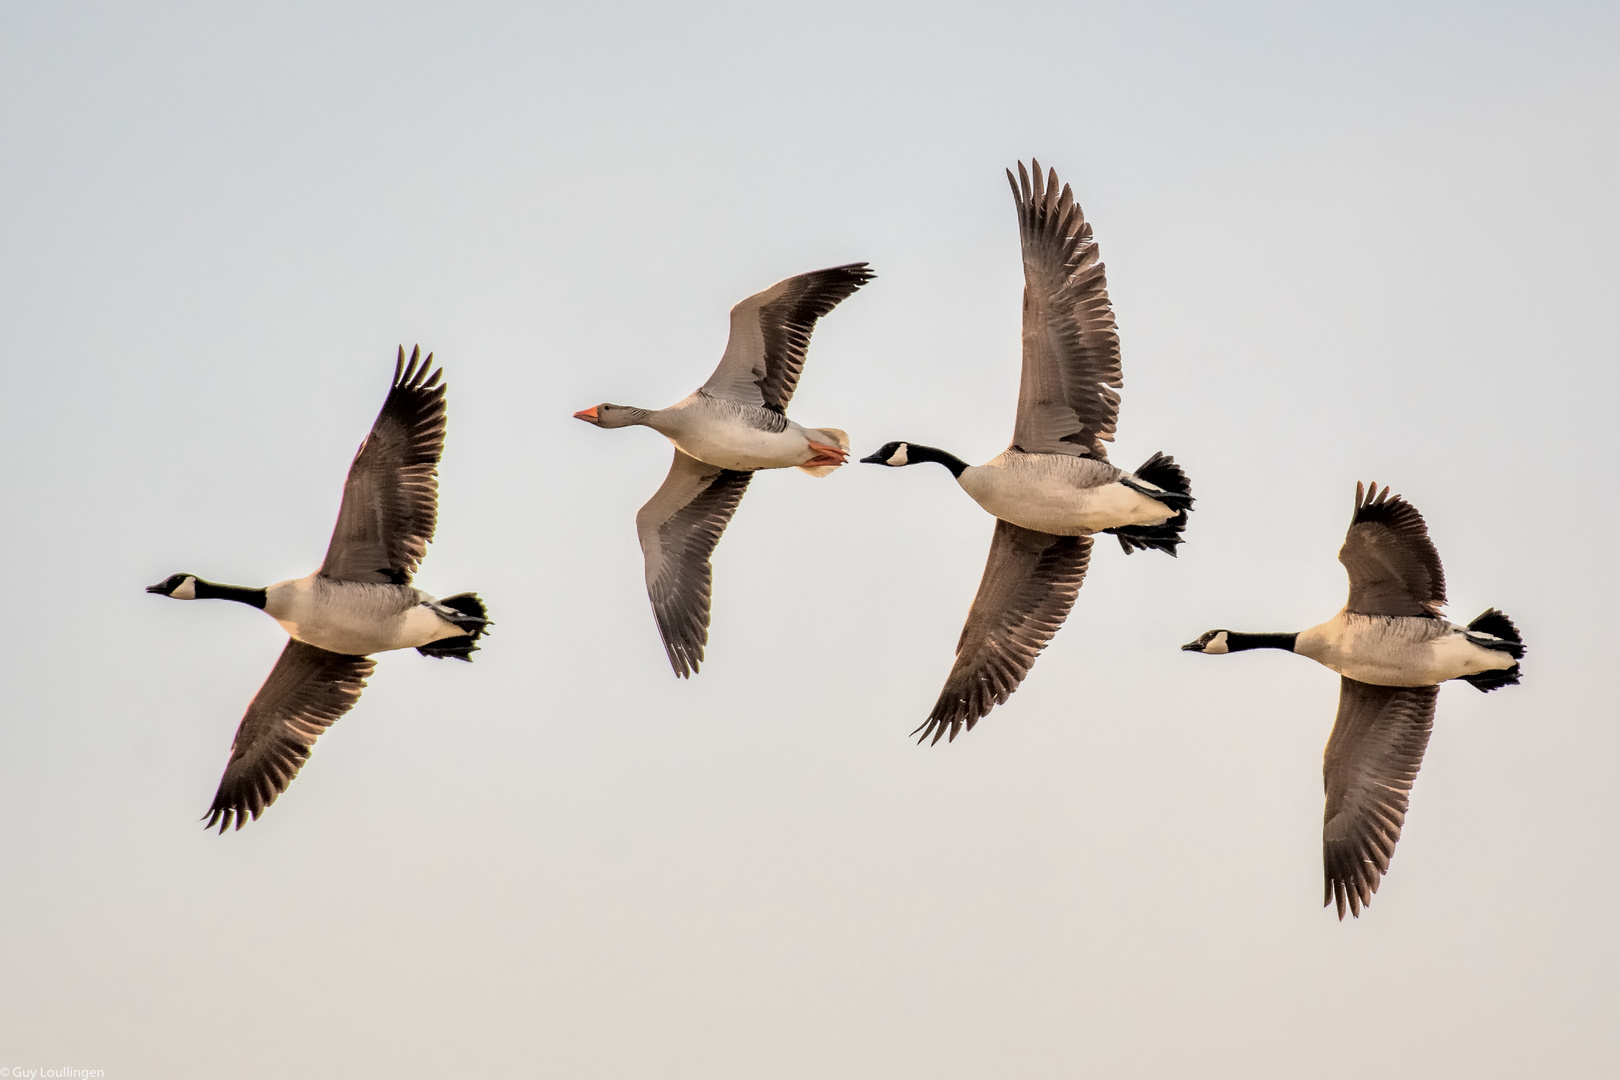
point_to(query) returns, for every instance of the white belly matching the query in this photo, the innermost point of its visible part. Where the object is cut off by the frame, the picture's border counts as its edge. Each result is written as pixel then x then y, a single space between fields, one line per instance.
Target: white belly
pixel 1397 650
pixel 719 432
pixel 1051 493
pixel 737 446
pixel 354 618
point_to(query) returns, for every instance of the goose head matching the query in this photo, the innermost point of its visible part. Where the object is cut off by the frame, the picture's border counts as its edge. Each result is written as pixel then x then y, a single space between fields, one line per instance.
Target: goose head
pixel 606 415
pixel 1213 643
pixel 892 454
pixel 897 454
pixel 176 586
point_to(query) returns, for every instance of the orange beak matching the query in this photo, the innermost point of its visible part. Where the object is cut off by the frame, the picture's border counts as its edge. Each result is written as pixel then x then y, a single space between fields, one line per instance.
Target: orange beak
pixel 588 415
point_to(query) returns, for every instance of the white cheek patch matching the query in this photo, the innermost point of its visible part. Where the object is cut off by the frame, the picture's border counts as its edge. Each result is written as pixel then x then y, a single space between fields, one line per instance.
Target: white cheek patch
pixel 187 590
pixel 898 458
pixel 1217 644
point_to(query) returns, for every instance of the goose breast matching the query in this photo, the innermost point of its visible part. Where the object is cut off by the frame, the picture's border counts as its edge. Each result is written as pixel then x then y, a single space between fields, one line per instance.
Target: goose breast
pixel 1397 650
pixel 353 617
pixel 732 435
pixel 1059 494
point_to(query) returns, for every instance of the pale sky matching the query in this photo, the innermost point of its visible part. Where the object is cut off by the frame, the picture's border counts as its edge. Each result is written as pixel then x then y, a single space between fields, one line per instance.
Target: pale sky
pixel 1342 244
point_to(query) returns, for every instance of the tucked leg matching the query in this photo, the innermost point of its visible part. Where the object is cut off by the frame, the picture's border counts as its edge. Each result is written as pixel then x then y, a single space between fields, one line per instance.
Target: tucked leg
pixel 826 455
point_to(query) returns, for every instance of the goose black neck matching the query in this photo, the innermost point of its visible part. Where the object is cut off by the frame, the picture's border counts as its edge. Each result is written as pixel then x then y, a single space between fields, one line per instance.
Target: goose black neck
pixel 1236 642
pixel 915 453
pixel 208 590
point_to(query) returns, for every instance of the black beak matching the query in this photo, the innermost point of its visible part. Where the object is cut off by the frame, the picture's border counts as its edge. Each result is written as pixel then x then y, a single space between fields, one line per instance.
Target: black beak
pixel 1193 646
pixel 874 459
pixel 160 588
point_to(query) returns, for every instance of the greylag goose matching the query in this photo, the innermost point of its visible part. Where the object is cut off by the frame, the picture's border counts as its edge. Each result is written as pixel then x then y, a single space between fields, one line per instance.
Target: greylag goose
pixel 729 428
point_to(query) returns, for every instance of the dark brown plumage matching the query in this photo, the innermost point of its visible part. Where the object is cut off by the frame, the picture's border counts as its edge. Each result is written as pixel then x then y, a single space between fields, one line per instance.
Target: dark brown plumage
pixel 1372 758
pixel 1391 649
pixel 1068 400
pixel 679 528
pixel 1068 403
pixel 390 499
pixel 1393 566
pixel 307 691
pixel 390 507
pixel 770 334
pixel 1030 582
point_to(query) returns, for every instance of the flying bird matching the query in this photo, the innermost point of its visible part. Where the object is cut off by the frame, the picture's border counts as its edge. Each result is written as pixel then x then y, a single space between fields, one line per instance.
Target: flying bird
pixel 1053 488
pixel 359 602
pixel 730 427
pixel 1391 649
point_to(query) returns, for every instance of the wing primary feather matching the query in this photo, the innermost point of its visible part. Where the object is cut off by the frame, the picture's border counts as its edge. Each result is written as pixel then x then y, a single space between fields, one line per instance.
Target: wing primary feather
pixel 1391 561
pixel 1030 583
pixel 390 498
pixel 679 528
pixel 1372 758
pixel 770 335
pixel 307 691
pixel 1067 398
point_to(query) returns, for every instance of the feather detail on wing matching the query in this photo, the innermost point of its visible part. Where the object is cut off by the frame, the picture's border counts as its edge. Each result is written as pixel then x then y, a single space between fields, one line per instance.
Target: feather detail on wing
pixel 1393 566
pixel 1371 760
pixel 1068 400
pixel 770 334
pixel 679 528
pixel 307 691
pixel 1030 582
pixel 391 498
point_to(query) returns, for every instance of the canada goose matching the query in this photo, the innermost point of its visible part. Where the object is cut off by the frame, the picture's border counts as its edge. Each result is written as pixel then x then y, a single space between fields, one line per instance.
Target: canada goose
pixel 1392 650
pixel 731 426
pixel 359 602
pixel 1053 487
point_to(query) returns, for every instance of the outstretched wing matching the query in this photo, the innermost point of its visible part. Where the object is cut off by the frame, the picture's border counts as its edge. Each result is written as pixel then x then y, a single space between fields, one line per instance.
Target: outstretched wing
pixel 1372 758
pixel 1068 400
pixel 306 692
pixel 679 528
pixel 391 498
pixel 1393 567
pixel 770 333
pixel 1030 582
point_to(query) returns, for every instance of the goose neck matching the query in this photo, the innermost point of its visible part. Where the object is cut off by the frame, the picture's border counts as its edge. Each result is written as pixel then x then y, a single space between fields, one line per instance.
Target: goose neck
pixel 210 590
pixel 1238 642
pixel 917 454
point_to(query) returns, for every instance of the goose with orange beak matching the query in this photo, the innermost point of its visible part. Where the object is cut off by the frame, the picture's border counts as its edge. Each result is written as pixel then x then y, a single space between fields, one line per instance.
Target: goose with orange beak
pixel 729 428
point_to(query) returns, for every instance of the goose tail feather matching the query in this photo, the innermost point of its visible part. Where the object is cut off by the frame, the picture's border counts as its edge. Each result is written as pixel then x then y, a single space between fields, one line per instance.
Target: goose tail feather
pixel 466 612
pixel 1494 630
pixel 1161 479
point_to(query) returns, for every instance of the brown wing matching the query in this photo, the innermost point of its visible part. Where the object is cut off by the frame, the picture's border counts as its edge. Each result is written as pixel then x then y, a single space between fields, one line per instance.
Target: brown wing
pixel 770 333
pixel 679 528
pixel 1393 567
pixel 1068 400
pixel 1371 760
pixel 306 692
pixel 391 498
pixel 1030 582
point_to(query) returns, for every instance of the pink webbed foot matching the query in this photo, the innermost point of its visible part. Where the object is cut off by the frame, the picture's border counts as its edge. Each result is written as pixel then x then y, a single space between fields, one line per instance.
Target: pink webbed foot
pixel 825 455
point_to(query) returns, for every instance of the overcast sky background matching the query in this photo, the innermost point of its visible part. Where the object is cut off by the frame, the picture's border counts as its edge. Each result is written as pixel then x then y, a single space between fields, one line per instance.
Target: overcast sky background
pixel 1342 244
